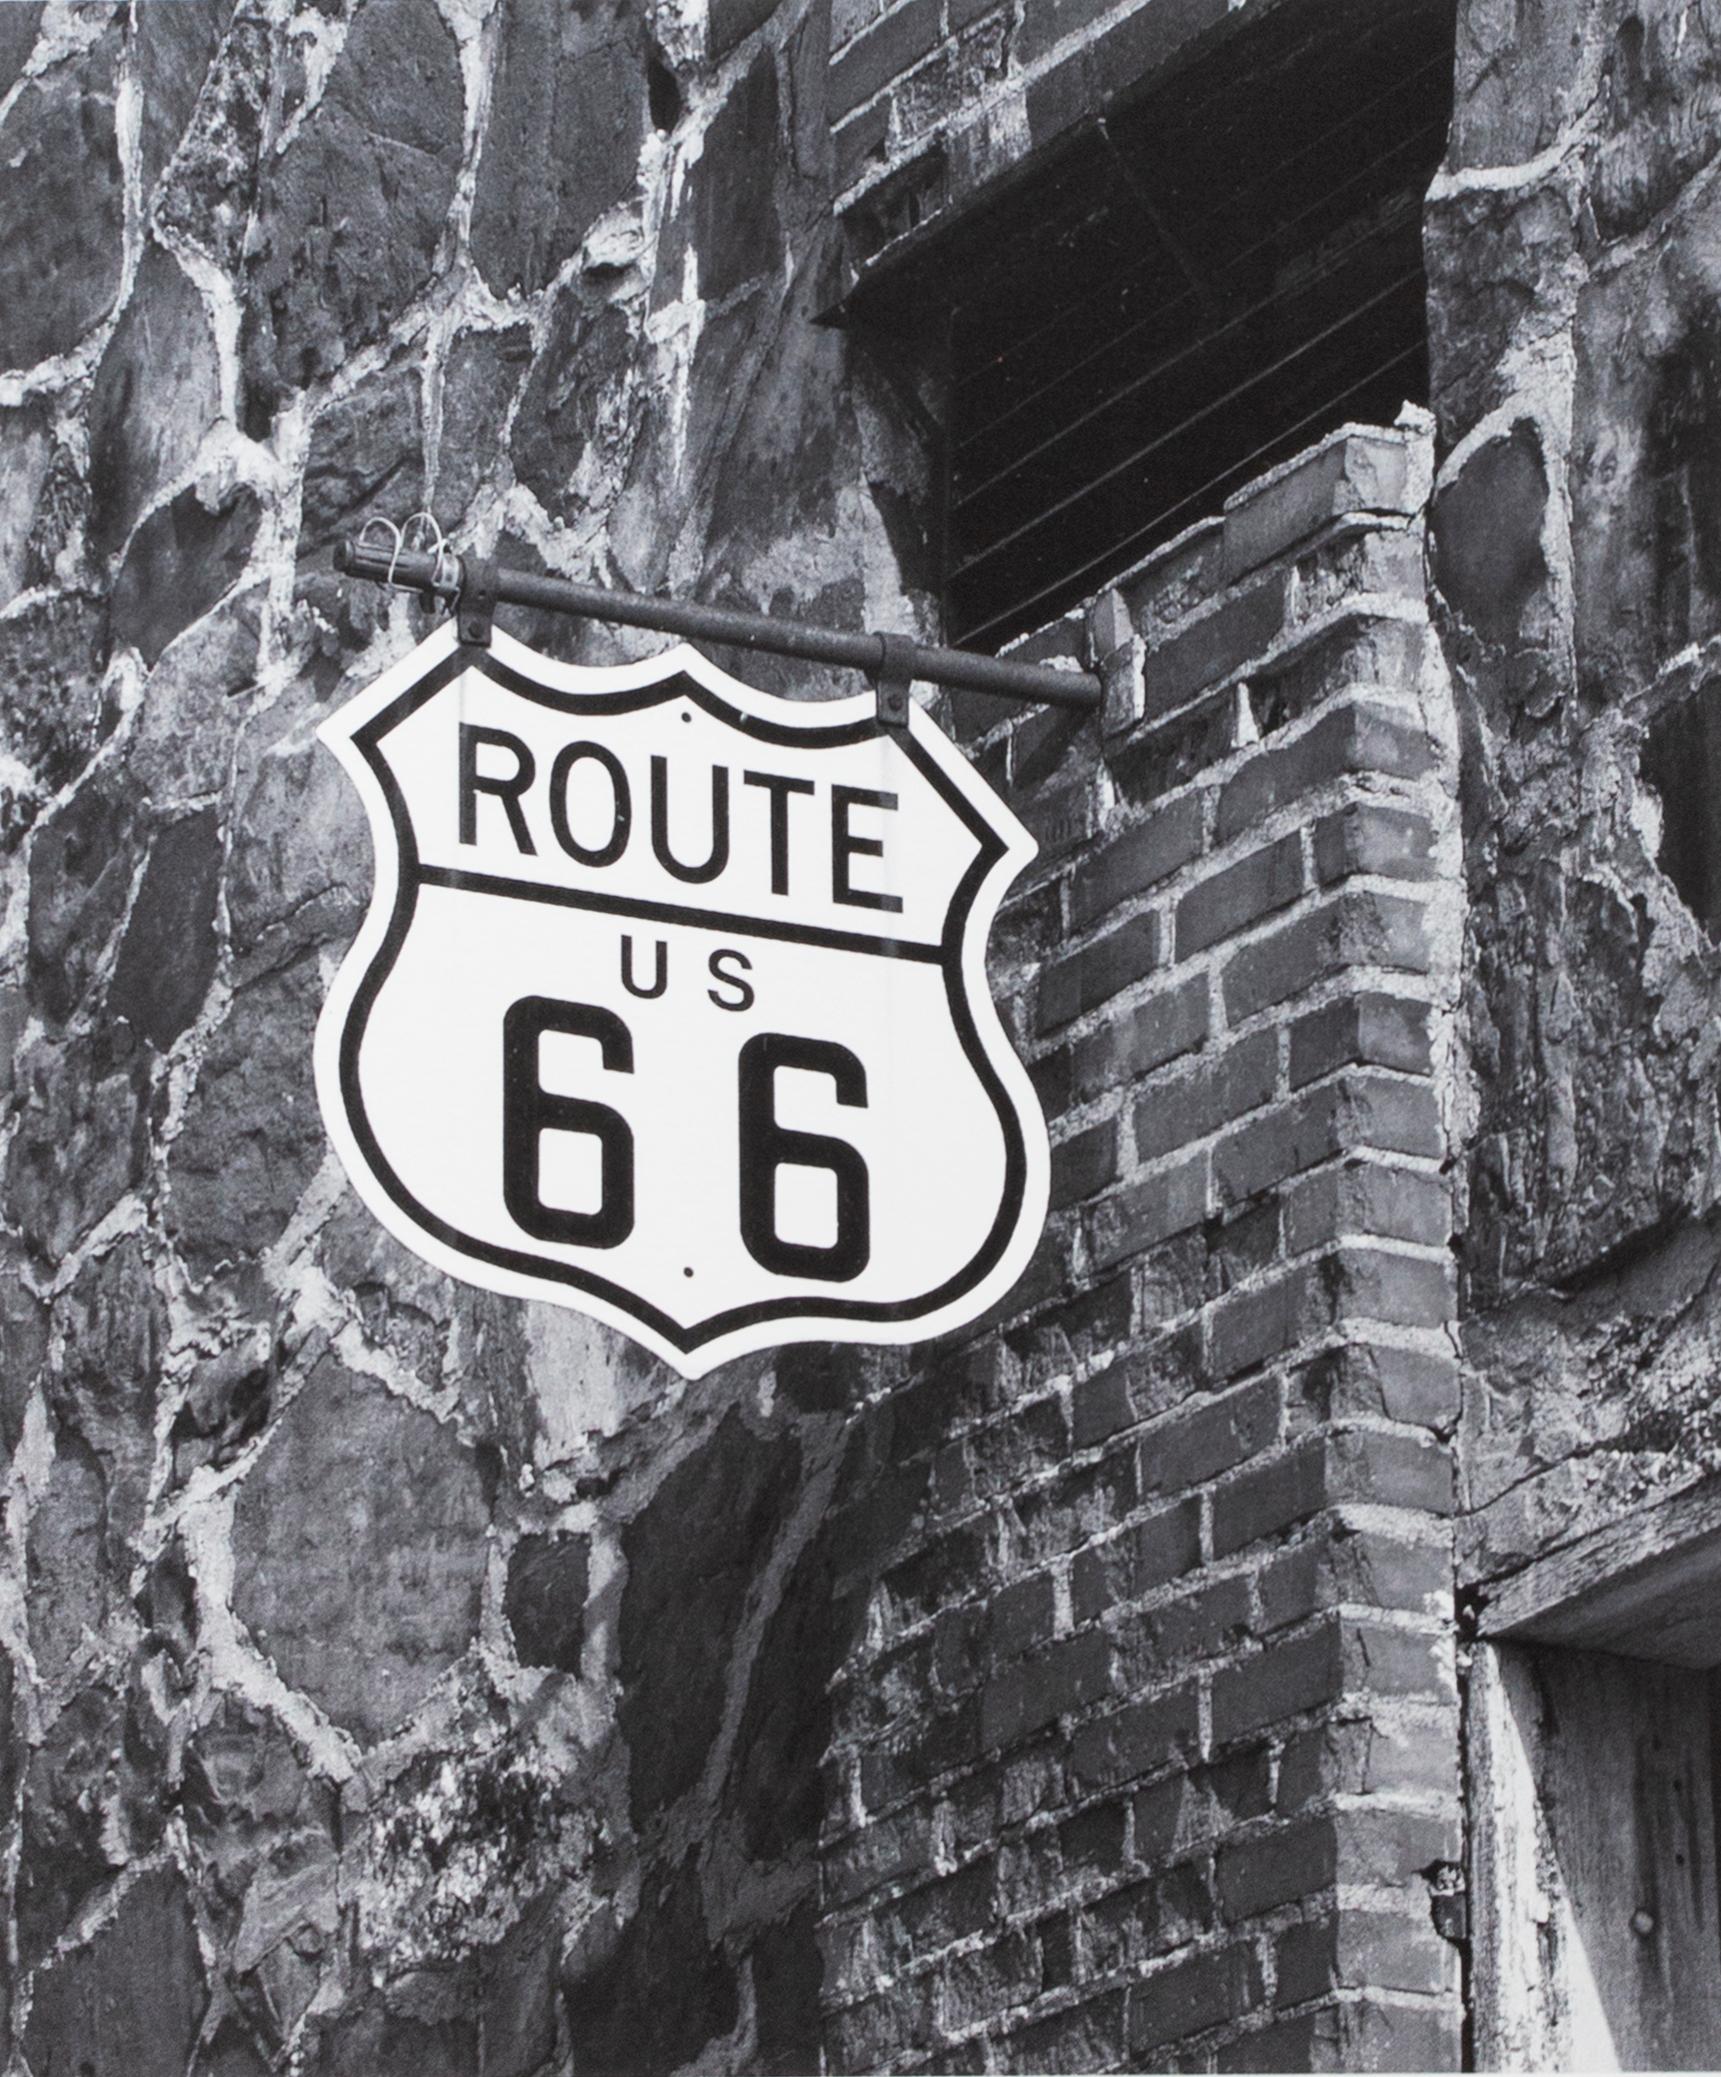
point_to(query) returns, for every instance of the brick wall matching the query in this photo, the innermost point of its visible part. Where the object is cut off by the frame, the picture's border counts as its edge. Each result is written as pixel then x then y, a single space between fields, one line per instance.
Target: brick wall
pixel 941 95
pixel 1145 1742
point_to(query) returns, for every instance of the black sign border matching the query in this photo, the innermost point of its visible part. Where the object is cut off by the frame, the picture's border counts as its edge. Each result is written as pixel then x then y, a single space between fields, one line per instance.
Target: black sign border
pixel 409 871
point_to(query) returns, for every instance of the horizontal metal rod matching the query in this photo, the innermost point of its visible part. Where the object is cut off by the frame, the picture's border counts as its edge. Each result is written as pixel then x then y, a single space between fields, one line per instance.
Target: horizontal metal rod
pixel 955 667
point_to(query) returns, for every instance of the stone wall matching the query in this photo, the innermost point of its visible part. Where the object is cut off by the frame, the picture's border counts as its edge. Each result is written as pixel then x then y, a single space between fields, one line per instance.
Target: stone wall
pixel 400 1678
pixel 1575 300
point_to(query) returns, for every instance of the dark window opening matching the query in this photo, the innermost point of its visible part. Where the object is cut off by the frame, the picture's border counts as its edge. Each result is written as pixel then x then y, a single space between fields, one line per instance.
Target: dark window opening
pixel 1202 285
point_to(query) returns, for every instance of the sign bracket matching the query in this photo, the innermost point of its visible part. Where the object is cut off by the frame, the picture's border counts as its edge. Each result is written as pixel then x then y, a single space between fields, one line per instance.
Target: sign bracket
pixel 893 680
pixel 475 586
pixel 475 604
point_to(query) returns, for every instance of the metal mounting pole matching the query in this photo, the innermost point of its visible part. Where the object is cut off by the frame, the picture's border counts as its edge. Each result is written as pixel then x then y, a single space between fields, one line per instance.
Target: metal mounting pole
pixel 887 656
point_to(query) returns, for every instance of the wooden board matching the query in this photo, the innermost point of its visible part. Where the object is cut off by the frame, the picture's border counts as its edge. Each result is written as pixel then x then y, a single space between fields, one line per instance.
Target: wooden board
pixel 1597 1942
pixel 1647 1587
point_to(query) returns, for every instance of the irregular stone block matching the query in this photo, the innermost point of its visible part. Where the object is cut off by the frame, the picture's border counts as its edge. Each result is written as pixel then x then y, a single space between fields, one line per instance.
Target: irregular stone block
pixel 156 392
pixel 68 1560
pixel 663 1991
pixel 62 207
pixel 693 1553
pixel 366 456
pixel 106 1373
pixel 360 1548
pixel 87 1807
pixel 80 874
pixel 352 212
pixel 546 1600
pixel 180 562
pixel 81 1140
pixel 573 427
pixel 478 383
pixel 566 120
pixel 26 454
pixel 174 46
pixel 129 2004
pixel 167 956
pixel 52 655
pixel 252 1136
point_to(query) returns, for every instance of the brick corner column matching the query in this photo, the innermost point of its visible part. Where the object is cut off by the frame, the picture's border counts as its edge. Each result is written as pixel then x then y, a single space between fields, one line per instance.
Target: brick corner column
pixel 1146 1734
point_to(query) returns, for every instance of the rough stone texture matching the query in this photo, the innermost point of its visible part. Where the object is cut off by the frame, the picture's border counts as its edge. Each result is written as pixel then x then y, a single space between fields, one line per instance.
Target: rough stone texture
pixel 131 2002
pixel 546 1600
pixel 354 205
pixel 1580 590
pixel 360 1550
pixel 61 206
pixel 566 122
pixel 366 456
pixel 156 393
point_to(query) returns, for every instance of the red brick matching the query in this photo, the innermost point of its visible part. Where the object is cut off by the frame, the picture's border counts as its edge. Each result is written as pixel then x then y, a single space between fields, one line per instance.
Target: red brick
pixel 1356 1949
pixel 1340 1117
pixel 1146 1920
pixel 1358 928
pixel 1073 986
pixel 1189 1996
pixel 1166 1636
pixel 1100 1407
pixel 1354 1567
pixel 1370 837
pixel 1251 1327
pixel 1219 907
pixel 1139 858
pixel 1204 651
pixel 881 2031
pixel 1170 1023
pixel 1276 1866
pixel 1021 1617
pixel 1136 1560
pixel 1351 472
pixel 1083 1164
pixel 1136 1740
pixel 1198 1442
pixel 1173 1114
pixel 1269 1498
pixel 922 1921
pixel 883 1851
pixel 1399 1290
pixel 1367 1029
pixel 1375 2035
pixel 1092 1841
pixel 1387 1470
pixel 1367 1197
pixel 859 142
pixel 1360 736
pixel 1306 2041
pixel 1088 2036
pixel 945 1570
pixel 975 1987
pixel 1190 1810
pixel 935 1746
pixel 1156 761
pixel 875 57
pixel 1066 1676
pixel 1408 1385
pixel 1283 1680
pixel 1086 1501
pixel 1145 1212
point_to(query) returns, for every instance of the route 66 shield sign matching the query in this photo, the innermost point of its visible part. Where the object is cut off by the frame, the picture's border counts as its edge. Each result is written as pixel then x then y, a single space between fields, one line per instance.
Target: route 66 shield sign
pixel 671 1003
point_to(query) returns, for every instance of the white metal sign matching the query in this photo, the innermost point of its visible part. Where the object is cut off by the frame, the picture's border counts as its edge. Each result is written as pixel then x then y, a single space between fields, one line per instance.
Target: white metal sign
pixel 671 1003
